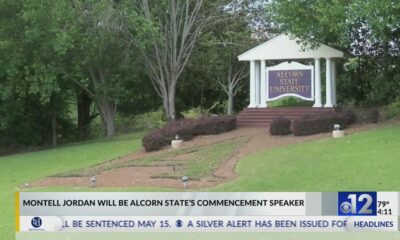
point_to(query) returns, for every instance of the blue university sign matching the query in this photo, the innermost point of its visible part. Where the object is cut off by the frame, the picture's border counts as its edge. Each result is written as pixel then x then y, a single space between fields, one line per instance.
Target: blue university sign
pixel 290 79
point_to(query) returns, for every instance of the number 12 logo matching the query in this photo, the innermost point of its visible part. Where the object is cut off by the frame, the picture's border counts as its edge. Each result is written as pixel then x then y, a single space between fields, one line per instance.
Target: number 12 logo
pixel 357 204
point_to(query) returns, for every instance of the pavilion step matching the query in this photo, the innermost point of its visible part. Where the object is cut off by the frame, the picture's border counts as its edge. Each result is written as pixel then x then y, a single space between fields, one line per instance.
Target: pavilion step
pixel 275 116
pixel 289 108
pixel 263 117
pixel 264 125
pixel 281 114
pixel 287 111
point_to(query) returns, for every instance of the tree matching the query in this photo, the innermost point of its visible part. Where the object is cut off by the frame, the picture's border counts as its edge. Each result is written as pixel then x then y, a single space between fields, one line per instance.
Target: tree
pixel 232 83
pixel 224 41
pixel 45 70
pixel 221 48
pixel 179 24
pixel 367 31
pixel 32 74
pixel 105 52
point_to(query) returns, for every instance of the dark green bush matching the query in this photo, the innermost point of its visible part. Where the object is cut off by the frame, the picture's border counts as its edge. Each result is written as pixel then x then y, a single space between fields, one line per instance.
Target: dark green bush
pixel 149 120
pixel 362 115
pixel 184 129
pixel 215 125
pixel 350 115
pixel 393 110
pixel 374 115
pixel 320 124
pixel 154 140
pixel 280 126
pixel 187 129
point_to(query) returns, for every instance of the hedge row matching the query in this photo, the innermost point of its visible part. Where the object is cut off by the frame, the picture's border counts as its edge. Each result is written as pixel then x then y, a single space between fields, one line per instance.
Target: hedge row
pixel 187 129
pixel 308 125
pixel 324 123
pixel 362 115
pixel 280 126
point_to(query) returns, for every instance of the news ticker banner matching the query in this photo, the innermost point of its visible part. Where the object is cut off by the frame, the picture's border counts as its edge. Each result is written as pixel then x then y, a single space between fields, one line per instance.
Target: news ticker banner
pixel 188 212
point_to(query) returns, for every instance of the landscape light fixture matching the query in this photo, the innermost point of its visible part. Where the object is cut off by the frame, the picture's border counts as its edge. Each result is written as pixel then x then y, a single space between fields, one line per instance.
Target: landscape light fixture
pixel 93 181
pixel 185 180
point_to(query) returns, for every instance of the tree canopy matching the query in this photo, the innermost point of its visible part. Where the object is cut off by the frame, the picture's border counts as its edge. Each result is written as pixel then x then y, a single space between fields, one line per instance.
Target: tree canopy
pixel 70 65
pixel 367 31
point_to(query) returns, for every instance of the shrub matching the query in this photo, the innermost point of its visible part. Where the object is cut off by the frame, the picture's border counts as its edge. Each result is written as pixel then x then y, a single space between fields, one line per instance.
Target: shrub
pixel 280 126
pixel 215 125
pixel 184 128
pixel 290 102
pixel 195 113
pixel 223 124
pixel 323 123
pixel 149 120
pixel 218 107
pixel 187 129
pixel 374 115
pixel 350 115
pixel 394 109
pixel 154 140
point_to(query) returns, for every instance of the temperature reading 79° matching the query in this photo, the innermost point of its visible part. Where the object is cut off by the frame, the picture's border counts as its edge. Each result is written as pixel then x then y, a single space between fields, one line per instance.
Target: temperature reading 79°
pixel 384 208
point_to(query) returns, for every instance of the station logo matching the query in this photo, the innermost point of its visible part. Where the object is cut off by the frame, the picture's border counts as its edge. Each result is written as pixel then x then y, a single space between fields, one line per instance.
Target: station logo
pixel 36 224
pixel 357 204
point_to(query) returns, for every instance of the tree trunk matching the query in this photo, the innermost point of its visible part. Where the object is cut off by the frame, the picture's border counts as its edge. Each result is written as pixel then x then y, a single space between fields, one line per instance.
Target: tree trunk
pixel 107 113
pixel 84 118
pixel 171 103
pixel 54 128
pixel 105 106
pixel 230 101
pixel 110 126
pixel 202 101
pixel 166 106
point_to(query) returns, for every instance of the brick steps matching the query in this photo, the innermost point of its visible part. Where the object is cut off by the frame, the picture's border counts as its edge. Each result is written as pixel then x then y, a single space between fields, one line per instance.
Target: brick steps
pixel 262 117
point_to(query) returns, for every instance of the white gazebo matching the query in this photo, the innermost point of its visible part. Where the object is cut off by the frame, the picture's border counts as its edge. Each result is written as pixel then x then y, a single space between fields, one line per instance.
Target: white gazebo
pixel 284 47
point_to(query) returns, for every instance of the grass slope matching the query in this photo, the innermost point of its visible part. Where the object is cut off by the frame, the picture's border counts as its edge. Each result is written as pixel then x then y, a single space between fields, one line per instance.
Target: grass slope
pixel 195 162
pixel 15 170
pixel 364 161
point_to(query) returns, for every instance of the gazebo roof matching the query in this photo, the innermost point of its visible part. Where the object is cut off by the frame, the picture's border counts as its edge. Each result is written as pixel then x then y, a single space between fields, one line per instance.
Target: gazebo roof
pixel 283 47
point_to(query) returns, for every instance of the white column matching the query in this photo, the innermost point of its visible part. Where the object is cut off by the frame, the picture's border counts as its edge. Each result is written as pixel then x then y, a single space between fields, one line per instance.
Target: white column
pixel 252 84
pixel 328 103
pixel 258 83
pixel 334 98
pixel 317 79
pixel 263 85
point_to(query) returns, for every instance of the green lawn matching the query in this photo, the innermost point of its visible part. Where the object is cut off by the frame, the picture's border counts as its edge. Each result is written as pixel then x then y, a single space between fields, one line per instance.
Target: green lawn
pixel 15 170
pixel 364 161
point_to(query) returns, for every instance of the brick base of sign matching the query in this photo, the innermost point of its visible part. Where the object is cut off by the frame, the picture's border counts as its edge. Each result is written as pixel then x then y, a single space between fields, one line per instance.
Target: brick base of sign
pixel 262 117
